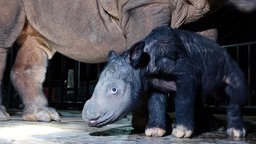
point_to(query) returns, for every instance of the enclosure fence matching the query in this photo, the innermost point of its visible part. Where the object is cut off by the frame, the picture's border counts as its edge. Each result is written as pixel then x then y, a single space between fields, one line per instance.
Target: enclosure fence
pixel 245 55
pixel 70 83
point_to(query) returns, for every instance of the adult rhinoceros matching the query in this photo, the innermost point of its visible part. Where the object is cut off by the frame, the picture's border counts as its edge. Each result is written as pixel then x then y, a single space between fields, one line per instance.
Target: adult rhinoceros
pixel 84 30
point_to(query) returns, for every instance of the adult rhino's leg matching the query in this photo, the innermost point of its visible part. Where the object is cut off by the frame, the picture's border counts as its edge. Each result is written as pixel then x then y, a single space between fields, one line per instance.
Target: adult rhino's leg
pixel 3 55
pixel 28 74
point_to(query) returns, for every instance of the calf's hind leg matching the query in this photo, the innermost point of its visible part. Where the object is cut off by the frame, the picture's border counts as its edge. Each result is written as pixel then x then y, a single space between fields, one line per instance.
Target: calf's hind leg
pixel 3 54
pixel 27 75
pixel 237 92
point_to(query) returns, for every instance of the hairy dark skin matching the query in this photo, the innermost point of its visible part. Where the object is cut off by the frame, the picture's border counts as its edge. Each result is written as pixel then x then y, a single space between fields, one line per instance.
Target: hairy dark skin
pixel 168 60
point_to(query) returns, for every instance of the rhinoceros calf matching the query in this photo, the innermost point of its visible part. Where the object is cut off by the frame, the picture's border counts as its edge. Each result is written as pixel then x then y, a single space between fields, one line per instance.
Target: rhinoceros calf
pixel 168 60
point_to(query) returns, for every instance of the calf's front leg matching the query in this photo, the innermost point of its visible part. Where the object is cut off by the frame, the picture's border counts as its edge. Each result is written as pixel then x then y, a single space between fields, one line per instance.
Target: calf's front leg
pixel 184 106
pixel 27 75
pixel 156 126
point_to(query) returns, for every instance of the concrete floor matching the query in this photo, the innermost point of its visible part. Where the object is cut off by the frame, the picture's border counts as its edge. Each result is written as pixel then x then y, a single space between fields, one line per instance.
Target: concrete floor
pixel 72 130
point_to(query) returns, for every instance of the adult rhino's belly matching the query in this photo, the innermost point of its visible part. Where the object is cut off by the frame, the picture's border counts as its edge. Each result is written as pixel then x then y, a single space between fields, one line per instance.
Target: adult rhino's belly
pixel 90 45
pixel 90 53
pixel 79 29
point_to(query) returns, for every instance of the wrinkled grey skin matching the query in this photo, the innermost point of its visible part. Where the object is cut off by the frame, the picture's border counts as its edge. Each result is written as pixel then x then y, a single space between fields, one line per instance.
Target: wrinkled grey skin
pixel 84 30
pixel 117 90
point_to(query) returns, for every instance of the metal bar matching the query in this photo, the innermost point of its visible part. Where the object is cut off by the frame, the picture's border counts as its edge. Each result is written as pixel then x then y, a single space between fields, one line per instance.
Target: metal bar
pixel 239 44
pixel 240 47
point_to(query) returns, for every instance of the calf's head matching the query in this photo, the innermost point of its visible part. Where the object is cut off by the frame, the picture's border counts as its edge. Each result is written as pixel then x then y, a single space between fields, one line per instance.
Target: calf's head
pixel 118 90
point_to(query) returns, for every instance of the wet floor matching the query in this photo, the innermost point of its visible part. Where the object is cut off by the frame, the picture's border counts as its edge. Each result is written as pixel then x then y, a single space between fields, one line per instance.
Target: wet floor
pixel 72 130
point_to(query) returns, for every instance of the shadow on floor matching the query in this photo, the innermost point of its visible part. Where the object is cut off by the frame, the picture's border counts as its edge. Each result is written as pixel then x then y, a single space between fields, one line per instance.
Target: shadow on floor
pixel 73 130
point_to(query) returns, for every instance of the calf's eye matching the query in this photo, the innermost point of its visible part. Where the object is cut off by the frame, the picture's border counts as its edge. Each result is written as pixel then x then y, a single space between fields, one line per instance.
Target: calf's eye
pixel 114 90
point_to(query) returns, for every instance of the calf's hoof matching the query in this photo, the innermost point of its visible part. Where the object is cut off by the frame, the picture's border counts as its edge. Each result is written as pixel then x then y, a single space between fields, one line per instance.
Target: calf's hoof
pixel 236 133
pixel 3 114
pixel 181 131
pixel 40 113
pixel 155 132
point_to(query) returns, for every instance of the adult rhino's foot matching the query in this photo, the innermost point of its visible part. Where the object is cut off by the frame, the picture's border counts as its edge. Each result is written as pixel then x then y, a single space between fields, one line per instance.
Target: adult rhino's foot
pixel 236 133
pixel 181 131
pixel 155 132
pixel 3 114
pixel 40 113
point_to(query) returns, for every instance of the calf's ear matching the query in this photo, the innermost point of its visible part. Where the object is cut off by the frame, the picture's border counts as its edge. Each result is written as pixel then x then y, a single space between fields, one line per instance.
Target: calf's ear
pixel 138 58
pixel 112 55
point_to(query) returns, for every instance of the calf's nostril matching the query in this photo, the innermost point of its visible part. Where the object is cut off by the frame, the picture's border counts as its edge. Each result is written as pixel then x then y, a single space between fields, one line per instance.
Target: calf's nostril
pixel 92 122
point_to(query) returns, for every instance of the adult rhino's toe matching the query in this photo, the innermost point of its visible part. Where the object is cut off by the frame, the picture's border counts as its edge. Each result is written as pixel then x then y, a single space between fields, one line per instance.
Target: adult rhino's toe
pixel 40 113
pixel 3 114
